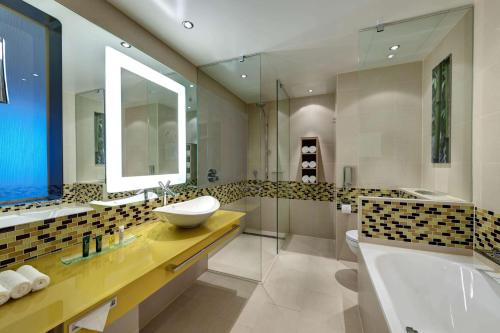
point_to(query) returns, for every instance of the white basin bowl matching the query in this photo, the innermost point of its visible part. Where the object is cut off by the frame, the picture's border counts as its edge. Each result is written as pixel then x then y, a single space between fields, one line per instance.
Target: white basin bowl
pixel 188 214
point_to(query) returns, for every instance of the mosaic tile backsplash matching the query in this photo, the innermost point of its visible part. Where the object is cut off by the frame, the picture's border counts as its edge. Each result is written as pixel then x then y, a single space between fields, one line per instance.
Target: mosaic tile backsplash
pixel 391 219
pixel 415 221
pixel 487 231
pixel 350 195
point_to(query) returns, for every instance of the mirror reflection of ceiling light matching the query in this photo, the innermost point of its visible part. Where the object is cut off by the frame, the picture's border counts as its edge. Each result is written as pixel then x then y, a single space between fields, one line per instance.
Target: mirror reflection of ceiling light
pixel 394 47
pixel 191 86
pixel 35 75
pixel 390 56
pixel 189 107
pixel 310 91
pixel 126 45
pixel 244 76
pixel 188 24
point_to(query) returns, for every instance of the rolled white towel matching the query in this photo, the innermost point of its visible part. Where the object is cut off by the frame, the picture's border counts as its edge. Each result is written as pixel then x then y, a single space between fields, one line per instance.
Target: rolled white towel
pixel 15 283
pixel 312 149
pixel 305 150
pixel 4 295
pixel 37 279
pixel 305 164
pixel 305 179
pixel 312 164
pixel 312 179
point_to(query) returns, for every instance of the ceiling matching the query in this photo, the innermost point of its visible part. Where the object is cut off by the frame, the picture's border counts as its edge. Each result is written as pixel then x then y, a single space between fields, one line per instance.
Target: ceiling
pixel 306 43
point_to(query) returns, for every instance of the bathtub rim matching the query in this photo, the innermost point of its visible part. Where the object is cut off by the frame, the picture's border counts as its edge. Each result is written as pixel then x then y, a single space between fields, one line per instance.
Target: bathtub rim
pixel 369 253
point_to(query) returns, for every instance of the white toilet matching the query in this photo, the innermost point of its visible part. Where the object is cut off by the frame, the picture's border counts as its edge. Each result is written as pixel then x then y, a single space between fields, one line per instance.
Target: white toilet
pixel 351 237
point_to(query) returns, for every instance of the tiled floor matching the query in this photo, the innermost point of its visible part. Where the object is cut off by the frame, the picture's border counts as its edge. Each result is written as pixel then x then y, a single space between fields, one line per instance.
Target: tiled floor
pixel 246 256
pixel 307 290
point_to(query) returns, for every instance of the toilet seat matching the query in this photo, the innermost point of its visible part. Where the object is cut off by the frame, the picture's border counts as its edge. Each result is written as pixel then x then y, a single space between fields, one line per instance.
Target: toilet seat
pixel 352 235
pixel 351 238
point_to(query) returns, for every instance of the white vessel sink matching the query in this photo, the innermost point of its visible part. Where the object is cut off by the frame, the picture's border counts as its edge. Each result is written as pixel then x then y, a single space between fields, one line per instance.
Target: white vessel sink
pixel 98 204
pixel 189 214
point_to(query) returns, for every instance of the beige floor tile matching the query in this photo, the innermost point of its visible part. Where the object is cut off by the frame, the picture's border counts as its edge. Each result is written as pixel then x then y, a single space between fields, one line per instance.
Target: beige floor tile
pixel 306 291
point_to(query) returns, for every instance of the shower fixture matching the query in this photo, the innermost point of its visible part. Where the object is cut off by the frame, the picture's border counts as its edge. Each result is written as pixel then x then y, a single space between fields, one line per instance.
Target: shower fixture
pixel 4 92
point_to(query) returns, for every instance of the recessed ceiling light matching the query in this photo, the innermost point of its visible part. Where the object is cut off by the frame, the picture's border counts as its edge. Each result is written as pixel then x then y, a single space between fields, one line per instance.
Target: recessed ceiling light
pixel 191 86
pixel 394 47
pixel 310 90
pixel 23 79
pixel 390 56
pixel 189 107
pixel 35 75
pixel 126 45
pixel 188 24
pixel 244 76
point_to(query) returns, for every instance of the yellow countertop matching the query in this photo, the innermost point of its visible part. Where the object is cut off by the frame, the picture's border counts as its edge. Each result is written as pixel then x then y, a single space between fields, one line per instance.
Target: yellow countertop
pixel 78 287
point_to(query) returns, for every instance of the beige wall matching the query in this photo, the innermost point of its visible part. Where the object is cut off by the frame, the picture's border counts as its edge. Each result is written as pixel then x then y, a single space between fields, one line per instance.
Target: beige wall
pixel 313 116
pixel 309 116
pixel 379 126
pixel 455 178
pixel 487 105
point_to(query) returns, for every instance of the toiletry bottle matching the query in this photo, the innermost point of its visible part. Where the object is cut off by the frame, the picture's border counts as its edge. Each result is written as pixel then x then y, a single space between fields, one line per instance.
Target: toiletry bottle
pixel 121 234
pixel 111 239
pixel 86 246
pixel 98 243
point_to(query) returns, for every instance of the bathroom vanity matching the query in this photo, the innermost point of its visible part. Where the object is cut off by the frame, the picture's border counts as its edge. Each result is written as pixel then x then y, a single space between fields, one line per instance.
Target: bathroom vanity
pixel 130 274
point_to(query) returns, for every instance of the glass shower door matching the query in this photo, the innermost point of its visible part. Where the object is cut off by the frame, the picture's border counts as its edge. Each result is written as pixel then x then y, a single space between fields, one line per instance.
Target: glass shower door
pixel 283 165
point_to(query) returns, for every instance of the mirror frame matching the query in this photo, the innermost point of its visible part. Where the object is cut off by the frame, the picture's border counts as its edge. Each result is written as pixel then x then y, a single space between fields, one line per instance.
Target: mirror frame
pixel 115 181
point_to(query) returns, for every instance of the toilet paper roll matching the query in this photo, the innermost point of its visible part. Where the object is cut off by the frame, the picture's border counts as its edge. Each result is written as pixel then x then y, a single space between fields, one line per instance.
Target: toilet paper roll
pixel 305 164
pixel 312 179
pixel 312 149
pixel 312 164
pixel 305 150
pixel 15 283
pixel 96 320
pixel 37 279
pixel 346 208
pixel 4 295
pixel 305 179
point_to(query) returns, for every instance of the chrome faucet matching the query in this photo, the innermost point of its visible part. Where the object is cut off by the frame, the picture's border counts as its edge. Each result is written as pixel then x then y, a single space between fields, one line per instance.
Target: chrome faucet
pixel 165 188
pixel 146 196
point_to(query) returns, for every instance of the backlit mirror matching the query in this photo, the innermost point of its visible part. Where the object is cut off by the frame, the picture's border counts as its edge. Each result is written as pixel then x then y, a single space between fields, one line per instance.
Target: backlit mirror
pixel 145 125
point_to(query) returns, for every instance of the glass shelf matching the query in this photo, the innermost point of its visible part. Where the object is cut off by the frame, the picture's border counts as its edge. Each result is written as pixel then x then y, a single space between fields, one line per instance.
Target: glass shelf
pixel 78 257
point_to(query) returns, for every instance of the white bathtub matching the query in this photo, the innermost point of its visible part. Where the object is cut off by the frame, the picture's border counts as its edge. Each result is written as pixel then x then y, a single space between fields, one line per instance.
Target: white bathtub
pixel 431 292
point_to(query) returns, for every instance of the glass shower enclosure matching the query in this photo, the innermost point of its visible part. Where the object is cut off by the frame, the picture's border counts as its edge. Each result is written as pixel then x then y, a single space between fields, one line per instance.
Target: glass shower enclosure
pixel 264 129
